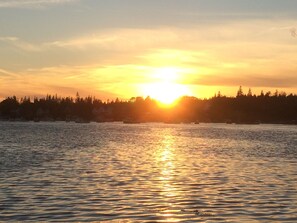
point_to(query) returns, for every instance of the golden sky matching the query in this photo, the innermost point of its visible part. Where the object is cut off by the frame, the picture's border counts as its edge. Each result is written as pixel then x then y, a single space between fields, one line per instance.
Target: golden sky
pixel 140 48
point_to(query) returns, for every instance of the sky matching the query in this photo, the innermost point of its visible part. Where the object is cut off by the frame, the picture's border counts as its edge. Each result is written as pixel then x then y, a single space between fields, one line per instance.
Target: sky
pixel 126 48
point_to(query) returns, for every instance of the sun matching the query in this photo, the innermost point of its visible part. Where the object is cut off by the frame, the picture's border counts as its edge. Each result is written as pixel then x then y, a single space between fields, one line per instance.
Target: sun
pixel 167 74
pixel 166 90
pixel 166 93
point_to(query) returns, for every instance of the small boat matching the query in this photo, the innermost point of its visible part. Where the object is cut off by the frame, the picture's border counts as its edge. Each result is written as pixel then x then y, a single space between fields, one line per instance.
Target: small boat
pixel 36 120
pixel 131 121
pixel 81 121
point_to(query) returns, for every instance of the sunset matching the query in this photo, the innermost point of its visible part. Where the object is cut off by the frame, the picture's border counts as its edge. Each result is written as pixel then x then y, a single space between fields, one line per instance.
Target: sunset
pixel 115 49
pixel 148 111
pixel 166 87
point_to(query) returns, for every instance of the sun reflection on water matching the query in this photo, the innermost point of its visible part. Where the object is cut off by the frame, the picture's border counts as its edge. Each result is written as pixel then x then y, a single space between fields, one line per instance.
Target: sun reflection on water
pixel 166 159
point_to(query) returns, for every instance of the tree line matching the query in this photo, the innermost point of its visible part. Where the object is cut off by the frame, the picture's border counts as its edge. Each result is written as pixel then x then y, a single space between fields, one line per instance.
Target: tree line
pixel 277 107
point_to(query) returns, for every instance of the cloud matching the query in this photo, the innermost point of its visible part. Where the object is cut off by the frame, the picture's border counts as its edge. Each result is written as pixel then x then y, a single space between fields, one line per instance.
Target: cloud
pixel 104 82
pixel 121 39
pixel 281 81
pixel 118 61
pixel 4 72
pixel 23 45
pixel 30 3
pixel 194 38
pixel 109 40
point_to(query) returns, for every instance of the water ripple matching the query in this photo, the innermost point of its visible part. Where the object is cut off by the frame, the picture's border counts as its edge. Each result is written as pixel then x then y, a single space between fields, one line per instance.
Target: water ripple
pixel 62 172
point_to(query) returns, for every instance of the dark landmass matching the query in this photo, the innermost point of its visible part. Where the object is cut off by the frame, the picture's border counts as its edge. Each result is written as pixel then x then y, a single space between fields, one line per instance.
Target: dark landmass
pixel 277 108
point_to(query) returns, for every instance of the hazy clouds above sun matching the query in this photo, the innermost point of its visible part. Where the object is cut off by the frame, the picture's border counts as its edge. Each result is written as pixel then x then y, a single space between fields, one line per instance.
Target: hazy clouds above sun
pixel 30 3
pixel 111 48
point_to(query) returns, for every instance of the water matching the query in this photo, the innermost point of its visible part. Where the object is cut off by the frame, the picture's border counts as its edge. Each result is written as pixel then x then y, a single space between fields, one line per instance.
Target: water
pixel 147 173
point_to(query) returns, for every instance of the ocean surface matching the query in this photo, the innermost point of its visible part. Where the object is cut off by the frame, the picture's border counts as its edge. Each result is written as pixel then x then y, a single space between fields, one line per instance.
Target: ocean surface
pixel 68 172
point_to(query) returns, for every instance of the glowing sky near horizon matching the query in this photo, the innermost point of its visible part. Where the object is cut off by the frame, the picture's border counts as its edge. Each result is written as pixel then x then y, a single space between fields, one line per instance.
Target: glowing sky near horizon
pixel 117 48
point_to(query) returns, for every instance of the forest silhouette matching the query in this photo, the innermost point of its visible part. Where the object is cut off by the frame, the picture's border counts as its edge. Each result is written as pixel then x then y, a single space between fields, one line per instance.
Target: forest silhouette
pixel 277 108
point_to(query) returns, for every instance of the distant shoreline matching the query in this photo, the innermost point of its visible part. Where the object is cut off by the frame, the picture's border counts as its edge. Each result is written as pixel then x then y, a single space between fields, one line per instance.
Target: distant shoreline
pixel 277 108
pixel 165 123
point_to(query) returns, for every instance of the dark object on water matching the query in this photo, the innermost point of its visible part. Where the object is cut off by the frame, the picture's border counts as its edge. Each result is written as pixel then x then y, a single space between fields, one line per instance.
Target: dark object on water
pixel 81 121
pixel 36 120
pixel 131 121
